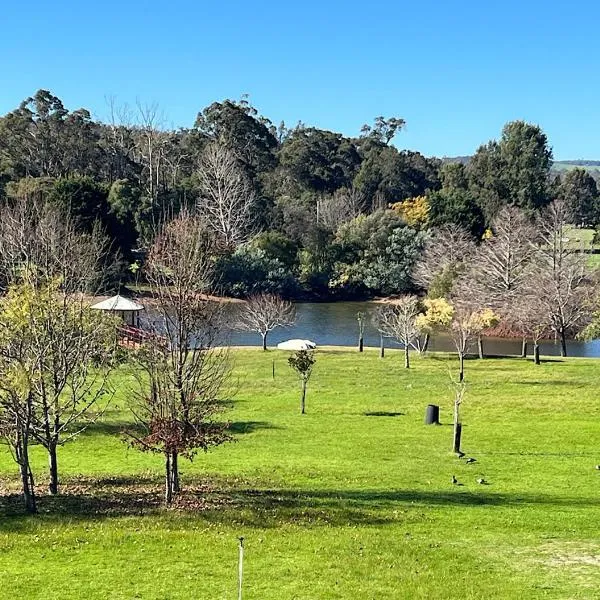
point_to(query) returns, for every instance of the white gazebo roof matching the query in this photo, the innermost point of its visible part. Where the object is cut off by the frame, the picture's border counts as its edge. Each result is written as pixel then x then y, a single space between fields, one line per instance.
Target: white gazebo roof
pixel 118 303
pixel 297 345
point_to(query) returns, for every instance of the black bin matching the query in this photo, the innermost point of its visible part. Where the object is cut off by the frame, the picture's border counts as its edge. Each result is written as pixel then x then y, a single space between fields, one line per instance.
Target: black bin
pixel 432 415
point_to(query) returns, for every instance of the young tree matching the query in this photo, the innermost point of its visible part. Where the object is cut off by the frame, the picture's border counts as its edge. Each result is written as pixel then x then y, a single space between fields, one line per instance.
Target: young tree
pixel 50 264
pixel 463 321
pixel 226 195
pixel 360 318
pixel 264 312
pixel 16 398
pixel 303 362
pixel 185 363
pixel 400 321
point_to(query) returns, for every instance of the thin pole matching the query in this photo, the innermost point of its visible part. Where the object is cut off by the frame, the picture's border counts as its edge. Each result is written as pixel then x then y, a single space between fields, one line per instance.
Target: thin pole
pixel 273 368
pixel 241 568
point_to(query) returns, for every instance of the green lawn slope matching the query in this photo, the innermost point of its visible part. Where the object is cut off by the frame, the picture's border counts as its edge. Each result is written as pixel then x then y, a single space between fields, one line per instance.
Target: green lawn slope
pixel 352 500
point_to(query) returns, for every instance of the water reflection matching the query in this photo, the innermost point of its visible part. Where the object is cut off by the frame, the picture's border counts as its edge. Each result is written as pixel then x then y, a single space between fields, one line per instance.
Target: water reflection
pixel 334 324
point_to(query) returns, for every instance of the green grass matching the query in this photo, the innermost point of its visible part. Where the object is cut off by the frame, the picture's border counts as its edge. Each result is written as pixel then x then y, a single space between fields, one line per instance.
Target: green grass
pixel 351 500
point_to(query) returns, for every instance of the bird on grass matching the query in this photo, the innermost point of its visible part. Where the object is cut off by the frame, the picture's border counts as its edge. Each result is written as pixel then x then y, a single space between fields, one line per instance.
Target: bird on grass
pixel 471 460
pixel 597 467
pixel 482 481
pixel 454 480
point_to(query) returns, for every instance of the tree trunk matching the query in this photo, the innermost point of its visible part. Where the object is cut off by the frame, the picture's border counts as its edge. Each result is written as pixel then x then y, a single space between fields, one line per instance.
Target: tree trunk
pixel 457 428
pixel 168 480
pixel 461 372
pixel 536 353
pixel 264 340
pixel 406 358
pixel 457 437
pixel 361 344
pixel 480 347
pixel 53 467
pixel 381 347
pixel 524 348
pixel 22 453
pixel 426 343
pixel 175 473
pixel 563 343
pixel 303 400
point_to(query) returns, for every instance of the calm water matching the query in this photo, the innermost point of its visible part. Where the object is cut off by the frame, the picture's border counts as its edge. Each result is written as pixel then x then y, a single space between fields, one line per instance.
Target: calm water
pixel 334 324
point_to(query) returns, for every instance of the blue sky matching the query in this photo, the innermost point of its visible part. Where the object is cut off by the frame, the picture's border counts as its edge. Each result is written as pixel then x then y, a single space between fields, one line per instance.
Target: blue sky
pixel 456 71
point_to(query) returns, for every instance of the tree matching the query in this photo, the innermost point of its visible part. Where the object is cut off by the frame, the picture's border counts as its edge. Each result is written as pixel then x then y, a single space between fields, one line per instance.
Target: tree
pixel 579 191
pixel 16 398
pixel 50 264
pixel 446 254
pixel 226 195
pixel 303 362
pixel 320 161
pixel 185 363
pixel 514 170
pixel 339 208
pixel 415 211
pixel 264 312
pixel 400 321
pixel 463 321
pixel 360 318
pixel 562 277
pixel 376 254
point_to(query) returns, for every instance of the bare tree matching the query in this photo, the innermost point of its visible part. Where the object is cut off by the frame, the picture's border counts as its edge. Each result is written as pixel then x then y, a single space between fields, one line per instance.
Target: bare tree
pixel 344 205
pixel 444 259
pixel 50 264
pixel 185 363
pixel 263 313
pixel 400 321
pixel 502 265
pixel 563 280
pixel 227 197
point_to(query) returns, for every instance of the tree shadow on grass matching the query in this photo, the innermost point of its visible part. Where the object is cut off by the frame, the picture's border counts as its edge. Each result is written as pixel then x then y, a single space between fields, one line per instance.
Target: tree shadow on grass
pixel 111 428
pixel 382 413
pixel 240 504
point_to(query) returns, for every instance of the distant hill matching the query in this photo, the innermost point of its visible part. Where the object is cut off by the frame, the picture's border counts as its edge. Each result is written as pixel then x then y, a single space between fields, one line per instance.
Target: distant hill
pixel 558 166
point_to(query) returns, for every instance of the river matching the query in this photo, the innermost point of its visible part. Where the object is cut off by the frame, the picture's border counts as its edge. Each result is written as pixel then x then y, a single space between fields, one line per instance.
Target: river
pixel 335 324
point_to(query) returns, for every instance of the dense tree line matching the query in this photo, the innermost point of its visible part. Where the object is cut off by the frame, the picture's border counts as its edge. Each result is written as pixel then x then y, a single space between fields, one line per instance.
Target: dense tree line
pixel 303 212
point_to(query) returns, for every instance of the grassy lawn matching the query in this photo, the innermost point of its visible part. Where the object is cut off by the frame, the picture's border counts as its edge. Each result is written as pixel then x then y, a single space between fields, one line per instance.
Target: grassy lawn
pixel 352 500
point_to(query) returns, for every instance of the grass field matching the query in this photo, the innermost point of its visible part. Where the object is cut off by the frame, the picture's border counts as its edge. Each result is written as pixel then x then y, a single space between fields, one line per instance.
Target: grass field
pixel 352 500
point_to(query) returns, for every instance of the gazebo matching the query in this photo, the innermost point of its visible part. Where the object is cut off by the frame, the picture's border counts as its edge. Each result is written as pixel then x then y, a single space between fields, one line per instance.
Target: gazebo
pixel 127 309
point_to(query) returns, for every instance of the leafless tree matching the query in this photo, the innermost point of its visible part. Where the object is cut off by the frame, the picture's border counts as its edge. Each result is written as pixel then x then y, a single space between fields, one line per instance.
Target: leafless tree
pixel 529 317
pixel 50 264
pixel 344 205
pixel 185 363
pixel 398 320
pixel 226 194
pixel 563 280
pixel 444 258
pixel 263 313
pixel 502 263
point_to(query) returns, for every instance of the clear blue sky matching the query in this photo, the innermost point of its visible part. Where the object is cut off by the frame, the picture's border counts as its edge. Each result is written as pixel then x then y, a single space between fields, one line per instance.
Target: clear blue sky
pixel 456 71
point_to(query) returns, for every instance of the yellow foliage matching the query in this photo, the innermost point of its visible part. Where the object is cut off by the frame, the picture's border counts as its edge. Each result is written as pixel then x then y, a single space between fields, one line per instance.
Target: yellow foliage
pixel 415 211
pixel 438 313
